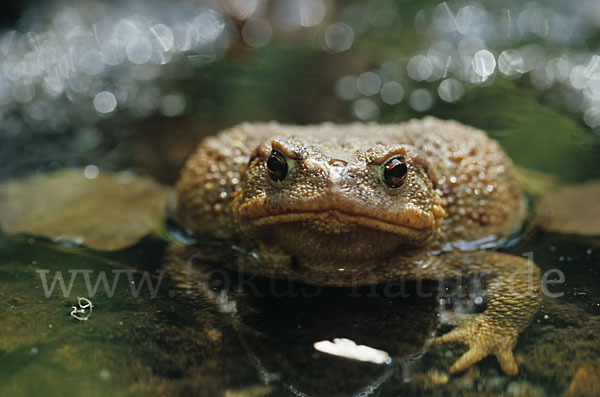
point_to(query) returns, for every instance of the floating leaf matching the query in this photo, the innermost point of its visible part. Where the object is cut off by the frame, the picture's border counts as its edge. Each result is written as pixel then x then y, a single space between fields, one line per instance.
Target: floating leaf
pixel 107 212
pixel 573 209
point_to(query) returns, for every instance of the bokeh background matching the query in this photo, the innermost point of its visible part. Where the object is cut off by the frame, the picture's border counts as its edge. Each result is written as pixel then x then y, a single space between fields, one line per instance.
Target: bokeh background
pixel 135 84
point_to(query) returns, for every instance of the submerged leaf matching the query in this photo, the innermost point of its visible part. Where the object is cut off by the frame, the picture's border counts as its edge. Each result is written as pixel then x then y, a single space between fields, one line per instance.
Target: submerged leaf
pixel 108 212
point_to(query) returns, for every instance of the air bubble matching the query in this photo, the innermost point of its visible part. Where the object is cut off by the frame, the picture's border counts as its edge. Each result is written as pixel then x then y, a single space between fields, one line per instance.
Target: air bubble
pixel 257 32
pixel 139 50
pixel 450 90
pixel 365 109
pixel 484 63
pixel 368 83
pixel 392 92
pixel 338 37
pixel 421 100
pixel 105 102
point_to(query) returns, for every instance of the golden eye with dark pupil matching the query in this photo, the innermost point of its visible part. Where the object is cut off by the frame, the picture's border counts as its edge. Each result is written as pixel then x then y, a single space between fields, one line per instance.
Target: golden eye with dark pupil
pixel 394 172
pixel 277 166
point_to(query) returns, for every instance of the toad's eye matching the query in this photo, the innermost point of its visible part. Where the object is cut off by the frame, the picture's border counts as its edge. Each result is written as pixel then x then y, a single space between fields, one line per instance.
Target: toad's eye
pixel 277 166
pixel 395 171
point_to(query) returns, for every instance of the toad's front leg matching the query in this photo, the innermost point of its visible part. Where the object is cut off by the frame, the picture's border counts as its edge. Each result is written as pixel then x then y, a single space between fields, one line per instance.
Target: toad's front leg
pixel 512 300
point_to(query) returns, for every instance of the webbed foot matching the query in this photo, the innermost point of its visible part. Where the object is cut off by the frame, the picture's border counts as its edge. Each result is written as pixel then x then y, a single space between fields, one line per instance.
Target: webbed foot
pixel 512 299
pixel 482 339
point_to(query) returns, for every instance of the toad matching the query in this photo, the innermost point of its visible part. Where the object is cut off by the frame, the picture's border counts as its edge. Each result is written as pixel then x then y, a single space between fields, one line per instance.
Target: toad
pixel 361 204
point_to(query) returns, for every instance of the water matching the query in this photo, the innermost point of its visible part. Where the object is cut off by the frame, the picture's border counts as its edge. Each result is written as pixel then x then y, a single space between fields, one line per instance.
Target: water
pixel 524 73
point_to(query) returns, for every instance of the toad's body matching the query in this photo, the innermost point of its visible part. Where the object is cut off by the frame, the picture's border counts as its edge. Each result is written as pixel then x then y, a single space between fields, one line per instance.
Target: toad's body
pixel 367 203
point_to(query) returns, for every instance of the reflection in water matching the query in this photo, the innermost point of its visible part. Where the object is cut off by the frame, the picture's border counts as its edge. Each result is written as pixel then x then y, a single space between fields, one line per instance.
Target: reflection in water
pixel 279 321
pixel 213 338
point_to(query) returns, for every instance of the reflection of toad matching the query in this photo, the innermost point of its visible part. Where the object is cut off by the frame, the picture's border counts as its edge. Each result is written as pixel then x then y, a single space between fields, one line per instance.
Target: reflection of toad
pixel 366 203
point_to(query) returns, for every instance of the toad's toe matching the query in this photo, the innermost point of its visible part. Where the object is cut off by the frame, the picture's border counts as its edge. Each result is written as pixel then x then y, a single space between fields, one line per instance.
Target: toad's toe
pixel 482 340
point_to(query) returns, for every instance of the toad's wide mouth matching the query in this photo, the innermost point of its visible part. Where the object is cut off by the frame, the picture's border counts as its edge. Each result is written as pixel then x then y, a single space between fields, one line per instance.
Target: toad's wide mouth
pixel 334 221
pixel 328 239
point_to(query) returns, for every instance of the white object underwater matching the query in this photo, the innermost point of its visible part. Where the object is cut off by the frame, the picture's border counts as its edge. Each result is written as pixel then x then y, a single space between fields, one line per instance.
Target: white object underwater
pixel 347 348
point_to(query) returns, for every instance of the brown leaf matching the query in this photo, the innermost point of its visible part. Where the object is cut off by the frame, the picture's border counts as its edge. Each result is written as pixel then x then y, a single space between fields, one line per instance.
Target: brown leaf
pixel 109 212
pixel 573 209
